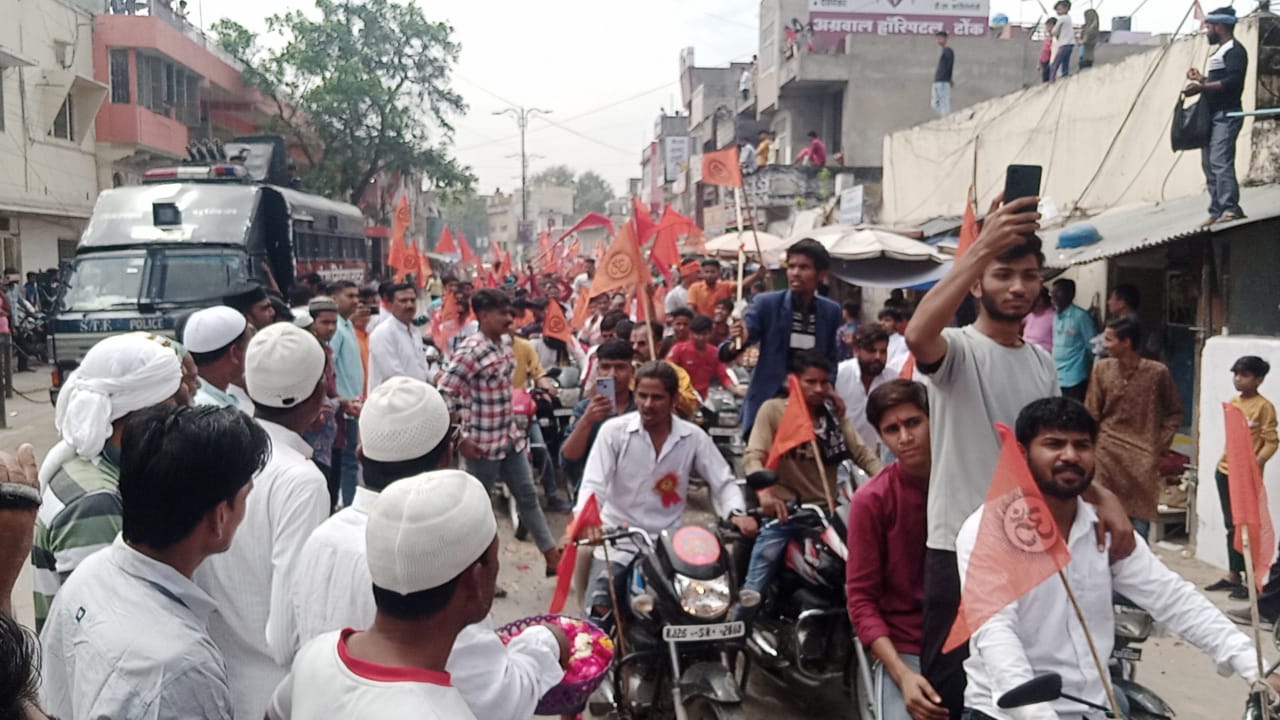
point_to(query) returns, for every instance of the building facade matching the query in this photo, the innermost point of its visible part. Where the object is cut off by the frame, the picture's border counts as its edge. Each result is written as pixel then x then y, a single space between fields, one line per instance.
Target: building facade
pixel 48 100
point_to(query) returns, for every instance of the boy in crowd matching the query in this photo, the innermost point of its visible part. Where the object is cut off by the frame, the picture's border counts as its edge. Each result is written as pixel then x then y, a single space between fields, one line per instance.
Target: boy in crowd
pixel 884 580
pixel 1247 375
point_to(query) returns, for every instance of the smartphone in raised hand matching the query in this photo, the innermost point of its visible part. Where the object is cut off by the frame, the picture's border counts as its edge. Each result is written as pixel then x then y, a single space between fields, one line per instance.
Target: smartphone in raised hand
pixel 605 386
pixel 1021 181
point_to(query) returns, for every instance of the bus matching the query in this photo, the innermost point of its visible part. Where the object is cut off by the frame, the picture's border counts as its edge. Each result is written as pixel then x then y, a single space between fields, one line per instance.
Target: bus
pixel 155 252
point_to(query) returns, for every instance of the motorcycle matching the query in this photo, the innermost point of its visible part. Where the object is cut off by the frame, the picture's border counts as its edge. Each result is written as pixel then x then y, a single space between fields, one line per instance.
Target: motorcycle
pixel 30 335
pixel 720 417
pixel 1133 627
pixel 677 649
pixel 801 635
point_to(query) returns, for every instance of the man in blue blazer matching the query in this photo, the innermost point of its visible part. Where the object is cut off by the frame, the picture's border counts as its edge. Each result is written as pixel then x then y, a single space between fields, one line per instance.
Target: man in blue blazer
pixel 785 322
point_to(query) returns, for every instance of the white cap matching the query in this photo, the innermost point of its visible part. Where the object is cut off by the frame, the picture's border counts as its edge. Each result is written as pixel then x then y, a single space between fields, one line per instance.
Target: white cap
pixel 282 366
pixel 301 316
pixel 425 530
pixel 402 419
pixel 213 328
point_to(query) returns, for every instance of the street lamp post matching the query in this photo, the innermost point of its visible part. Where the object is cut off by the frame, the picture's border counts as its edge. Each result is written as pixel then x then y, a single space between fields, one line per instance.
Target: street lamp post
pixel 522 115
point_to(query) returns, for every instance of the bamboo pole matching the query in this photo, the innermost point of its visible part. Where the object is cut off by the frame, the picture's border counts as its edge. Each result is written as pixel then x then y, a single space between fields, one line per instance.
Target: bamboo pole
pixel 1093 649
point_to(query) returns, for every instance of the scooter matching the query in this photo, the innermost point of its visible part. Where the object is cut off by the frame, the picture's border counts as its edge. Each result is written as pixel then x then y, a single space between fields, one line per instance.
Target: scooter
pixel 802 636
pixel 1133 627
pixel 677 649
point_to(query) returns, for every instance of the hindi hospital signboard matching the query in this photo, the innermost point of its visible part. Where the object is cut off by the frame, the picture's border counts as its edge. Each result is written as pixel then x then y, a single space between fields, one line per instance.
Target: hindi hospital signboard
pixel 832 20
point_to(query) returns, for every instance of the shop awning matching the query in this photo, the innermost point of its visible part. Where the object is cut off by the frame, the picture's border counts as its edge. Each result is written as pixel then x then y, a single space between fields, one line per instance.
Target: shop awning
pixel 1130 229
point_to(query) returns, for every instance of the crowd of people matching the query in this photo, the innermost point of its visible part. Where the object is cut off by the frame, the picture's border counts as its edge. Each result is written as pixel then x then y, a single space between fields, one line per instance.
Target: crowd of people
pixel 331 548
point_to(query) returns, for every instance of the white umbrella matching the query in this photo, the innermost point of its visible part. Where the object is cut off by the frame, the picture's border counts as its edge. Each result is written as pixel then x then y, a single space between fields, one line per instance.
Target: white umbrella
pixel 726 246
pixel 870 257
pixel 850 243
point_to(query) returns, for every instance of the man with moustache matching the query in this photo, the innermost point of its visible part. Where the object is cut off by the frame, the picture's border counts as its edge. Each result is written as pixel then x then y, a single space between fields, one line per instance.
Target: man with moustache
pixel 981 374
pixel 860 375
pixel 1039 632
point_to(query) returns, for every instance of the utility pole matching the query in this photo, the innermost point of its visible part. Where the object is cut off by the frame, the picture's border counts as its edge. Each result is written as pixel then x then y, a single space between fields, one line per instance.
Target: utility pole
pixel 522 115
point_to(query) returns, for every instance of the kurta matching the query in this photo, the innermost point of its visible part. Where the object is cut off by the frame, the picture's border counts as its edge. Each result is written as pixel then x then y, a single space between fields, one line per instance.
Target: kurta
pixel 1138 413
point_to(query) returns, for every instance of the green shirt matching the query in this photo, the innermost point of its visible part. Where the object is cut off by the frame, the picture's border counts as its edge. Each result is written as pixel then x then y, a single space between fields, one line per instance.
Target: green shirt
pixel 80 515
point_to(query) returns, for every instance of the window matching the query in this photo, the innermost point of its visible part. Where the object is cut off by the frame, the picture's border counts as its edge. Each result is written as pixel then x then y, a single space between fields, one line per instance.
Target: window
pixel 62 126
pixel 120 76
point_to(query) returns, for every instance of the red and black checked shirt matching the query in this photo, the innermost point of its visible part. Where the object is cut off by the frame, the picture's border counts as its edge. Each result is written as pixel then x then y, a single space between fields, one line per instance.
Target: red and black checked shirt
pixel 477 388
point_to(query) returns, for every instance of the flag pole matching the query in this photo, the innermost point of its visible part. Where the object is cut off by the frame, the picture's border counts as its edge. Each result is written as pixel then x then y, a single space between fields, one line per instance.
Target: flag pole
pixel 822 473
pixel 742 251
pixel 751 211
pixel 1093 649
pixel 1253 612
pixel 648 323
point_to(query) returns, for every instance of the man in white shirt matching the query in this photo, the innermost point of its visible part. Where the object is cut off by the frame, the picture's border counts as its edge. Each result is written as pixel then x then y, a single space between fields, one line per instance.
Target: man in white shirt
pixel 1039 632
pixel 639 470
pixel 217 339
pixel 127 637
pixel 861 374
pixel 678 297
pixel 395 346
pixel 893 320
pixel 285 374
pixel 433 559
pixel 746 155
pixel 584 278
pixel 1064 39
pixel 404 432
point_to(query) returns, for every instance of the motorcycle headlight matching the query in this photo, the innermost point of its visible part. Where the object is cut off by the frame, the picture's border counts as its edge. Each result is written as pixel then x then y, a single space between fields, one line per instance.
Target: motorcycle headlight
pixel 706 599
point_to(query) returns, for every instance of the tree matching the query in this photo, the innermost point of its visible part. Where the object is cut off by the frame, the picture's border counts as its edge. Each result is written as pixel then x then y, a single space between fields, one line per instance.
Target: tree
pixel 465 211
pixel 554 176
pixel 360 91
pixel 591 191
pixel 594 192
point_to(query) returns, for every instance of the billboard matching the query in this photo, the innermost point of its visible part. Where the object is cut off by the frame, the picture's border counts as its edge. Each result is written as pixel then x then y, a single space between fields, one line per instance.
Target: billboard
pixel 831 20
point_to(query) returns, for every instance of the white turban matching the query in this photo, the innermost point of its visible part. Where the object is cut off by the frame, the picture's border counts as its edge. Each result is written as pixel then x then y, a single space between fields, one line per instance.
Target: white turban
pixel 119 375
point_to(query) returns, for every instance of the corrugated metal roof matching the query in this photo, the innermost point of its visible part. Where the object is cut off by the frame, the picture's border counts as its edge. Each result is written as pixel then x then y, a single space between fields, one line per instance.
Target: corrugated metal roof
pixel 1127 230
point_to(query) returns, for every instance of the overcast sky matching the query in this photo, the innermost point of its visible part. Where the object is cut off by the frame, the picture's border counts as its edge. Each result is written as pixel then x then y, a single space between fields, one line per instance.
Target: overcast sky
pixel 605 74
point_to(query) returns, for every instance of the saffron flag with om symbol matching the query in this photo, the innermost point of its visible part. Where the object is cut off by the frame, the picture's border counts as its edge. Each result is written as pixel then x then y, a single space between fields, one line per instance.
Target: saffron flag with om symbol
pixel 620 267
pixel 1017 548
pixel 721 167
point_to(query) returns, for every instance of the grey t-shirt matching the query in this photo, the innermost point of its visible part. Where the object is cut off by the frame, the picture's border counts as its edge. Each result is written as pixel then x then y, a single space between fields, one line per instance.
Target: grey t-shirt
pixel 978 383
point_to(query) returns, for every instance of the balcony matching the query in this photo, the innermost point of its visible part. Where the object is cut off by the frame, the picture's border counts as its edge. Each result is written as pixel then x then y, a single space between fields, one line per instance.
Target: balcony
pixel 139 126
pixel 175 18
pixel 790 185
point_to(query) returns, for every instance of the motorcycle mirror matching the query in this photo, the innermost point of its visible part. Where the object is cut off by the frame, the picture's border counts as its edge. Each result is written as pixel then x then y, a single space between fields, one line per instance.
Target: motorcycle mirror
pixel 762 479
pixel 1041 688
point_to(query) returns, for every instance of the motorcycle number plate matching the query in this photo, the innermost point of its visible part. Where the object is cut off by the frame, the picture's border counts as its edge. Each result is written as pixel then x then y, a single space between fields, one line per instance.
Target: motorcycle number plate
pixel 699 633
pixel 1127 653
pixel 723 432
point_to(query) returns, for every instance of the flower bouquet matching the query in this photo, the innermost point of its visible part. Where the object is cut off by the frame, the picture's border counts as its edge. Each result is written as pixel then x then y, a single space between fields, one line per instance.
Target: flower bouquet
pixel 592 656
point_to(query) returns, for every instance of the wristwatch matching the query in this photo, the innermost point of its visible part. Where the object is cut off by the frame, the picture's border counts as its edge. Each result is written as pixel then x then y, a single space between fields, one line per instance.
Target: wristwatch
pixel 16 496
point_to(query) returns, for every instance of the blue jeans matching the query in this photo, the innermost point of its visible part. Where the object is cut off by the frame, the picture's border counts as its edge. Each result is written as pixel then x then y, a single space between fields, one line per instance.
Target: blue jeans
pixel 538 446
pixel 765 557
pixel 514 471
pixel 1218 158
pixel 888 696
pixel 1062 61
pixel 350 465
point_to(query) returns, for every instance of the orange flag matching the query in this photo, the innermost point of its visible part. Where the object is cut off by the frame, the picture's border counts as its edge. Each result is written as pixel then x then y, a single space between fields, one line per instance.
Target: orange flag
pixel 1248 495
pixel 721 167
pixel 468 256
pixel 445 323
pixel 424 269
pixel 555 325
pixel 588 517
pixel 412 264
pixel 645 226
pixel 446 246
pixel 620 266
pixel 399 226
pixel 968 226
pixel 1018 545
pixel 908 368
pixel 795 428
pixel 581 309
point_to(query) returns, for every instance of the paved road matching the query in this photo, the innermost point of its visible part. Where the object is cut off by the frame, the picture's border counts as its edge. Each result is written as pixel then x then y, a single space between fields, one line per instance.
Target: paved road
pixel 1179 673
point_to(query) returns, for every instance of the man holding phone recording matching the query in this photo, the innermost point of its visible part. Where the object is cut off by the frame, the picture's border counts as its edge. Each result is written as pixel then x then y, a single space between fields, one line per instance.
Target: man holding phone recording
pixel 614 365
pixel 979 375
